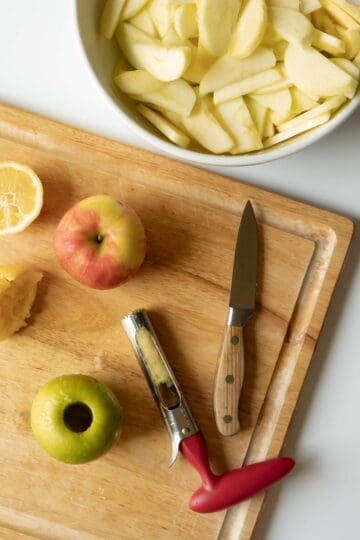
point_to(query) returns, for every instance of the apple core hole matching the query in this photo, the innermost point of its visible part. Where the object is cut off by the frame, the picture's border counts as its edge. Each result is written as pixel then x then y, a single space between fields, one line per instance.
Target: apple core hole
pixel 78 417
pixel 99 238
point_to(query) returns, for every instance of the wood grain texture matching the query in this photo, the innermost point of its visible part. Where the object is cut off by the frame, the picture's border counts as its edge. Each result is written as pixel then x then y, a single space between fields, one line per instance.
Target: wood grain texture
pixel 229 380
pixel 191 218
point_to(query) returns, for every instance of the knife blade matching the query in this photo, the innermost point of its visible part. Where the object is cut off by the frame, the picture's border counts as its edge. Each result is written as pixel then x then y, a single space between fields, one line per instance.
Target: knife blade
pixel 230 365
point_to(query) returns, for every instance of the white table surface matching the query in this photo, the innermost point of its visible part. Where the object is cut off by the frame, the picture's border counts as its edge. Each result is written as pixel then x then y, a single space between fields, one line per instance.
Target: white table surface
pixel 41 70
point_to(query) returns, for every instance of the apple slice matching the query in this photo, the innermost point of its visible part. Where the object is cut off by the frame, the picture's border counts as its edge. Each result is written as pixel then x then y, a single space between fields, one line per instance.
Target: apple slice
pixel 165 63
pixel 172 39
pixel 121 66
pixel 227 69
pixel 279 50
pixel 300 101
pixel 237 120
pixel 250 28
pixel 271 37
pixel 322 21
pixel 269 129
pixel 279 102
pixel 201 61
pixel 278 119
pixel 179 2
pixel 327 42
pixel 126 35
pixel 340 16
pixel 282 83
pixel 144 22
pixel 205 129
pixel 110 17
pixel 258 114
pixel 161 15
pixel 185 21
pixel 291 4
pixel 137 81
pixel 357 60
pixel 174 118
pixel 351 38
pixel 131 8
pixel 308 6
pixel 291 25
pixel 348 66
pixel 216 20
pixel 329 105
pixel 143 52
pixel 176 96
pixel 305 126
pixel 315 74
pixel 277 86
pixel 349 8
pixel 246 86
pixel 164 126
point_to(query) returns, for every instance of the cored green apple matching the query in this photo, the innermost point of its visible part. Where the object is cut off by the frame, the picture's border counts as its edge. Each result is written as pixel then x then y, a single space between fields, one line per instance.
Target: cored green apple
pixel 75 418
pixel 100 242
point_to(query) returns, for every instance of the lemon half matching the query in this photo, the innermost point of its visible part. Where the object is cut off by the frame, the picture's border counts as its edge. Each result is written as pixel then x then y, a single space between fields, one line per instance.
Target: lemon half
pixel 17 293
pixel 21 197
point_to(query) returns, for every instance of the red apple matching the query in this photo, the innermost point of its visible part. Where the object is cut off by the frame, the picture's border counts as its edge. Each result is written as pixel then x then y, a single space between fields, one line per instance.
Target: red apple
pixel 100 242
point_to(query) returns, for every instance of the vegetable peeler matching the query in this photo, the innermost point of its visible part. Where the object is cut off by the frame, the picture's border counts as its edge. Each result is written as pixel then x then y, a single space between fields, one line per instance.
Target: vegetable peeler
pixel 216 492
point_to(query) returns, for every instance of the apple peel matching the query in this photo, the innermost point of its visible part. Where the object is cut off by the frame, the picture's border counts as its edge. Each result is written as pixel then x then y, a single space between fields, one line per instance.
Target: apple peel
pixel 100 242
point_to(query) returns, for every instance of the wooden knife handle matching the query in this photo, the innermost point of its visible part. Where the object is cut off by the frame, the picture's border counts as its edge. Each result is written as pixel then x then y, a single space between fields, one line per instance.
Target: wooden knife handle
pixel 228 381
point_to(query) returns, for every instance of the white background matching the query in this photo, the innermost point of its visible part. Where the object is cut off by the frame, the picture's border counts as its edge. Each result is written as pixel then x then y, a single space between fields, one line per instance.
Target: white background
pixel 41 70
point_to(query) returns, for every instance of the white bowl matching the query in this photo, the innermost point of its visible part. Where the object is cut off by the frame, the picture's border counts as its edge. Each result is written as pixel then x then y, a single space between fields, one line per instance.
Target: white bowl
pixel 101 56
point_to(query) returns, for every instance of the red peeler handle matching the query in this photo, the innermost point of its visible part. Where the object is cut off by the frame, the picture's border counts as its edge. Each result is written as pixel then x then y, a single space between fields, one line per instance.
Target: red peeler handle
pixel 220 492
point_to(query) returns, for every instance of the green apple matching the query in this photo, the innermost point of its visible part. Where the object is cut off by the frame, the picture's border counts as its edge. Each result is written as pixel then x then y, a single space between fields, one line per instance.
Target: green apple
pixel 75 418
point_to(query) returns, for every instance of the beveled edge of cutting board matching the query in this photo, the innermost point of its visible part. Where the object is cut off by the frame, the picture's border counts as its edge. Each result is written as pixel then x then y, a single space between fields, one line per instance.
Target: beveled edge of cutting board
pixel 331 234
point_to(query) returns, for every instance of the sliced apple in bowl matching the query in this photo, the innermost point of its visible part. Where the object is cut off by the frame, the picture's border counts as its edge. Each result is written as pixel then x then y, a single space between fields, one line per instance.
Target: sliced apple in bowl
pixel 143 52
pixel 316 75
pixel 234 76
pixel 216 21
pixel 250 29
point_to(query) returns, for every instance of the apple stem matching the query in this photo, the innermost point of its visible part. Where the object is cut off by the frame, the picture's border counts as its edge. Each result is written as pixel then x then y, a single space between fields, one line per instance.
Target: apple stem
pixel 99 238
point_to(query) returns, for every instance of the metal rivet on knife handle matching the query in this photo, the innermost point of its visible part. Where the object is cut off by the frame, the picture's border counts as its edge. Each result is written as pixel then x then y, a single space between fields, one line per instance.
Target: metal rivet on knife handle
pixel 228 383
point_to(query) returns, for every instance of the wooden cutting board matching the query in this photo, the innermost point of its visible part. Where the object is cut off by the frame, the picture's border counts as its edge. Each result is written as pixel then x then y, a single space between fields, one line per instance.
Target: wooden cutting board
pixel 191 218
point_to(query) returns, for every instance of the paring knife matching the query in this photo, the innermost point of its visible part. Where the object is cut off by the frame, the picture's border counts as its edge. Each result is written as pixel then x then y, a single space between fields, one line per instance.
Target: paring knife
pixel 230 365
pixel 217 492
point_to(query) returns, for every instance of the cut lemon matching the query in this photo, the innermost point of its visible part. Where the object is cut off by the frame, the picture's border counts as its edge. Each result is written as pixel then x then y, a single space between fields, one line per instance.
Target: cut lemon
pixel 17 294
pixel 21 197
